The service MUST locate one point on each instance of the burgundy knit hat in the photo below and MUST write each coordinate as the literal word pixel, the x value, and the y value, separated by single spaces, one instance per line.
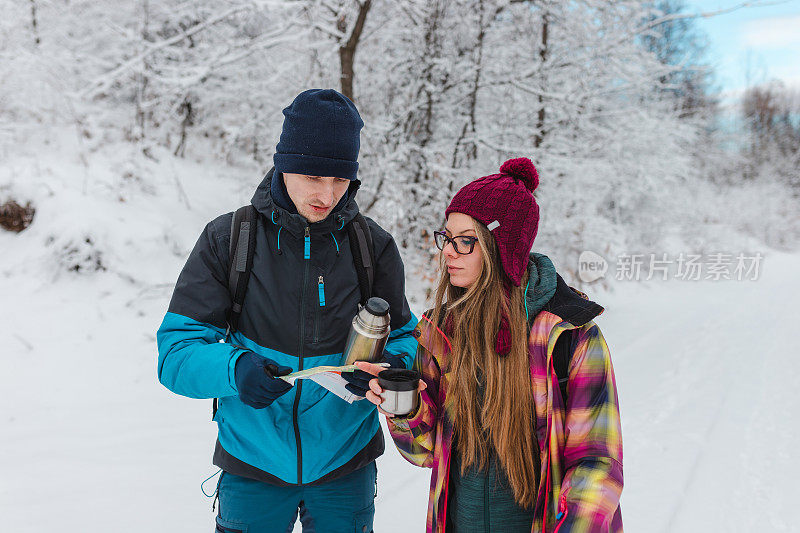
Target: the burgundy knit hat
pixel 505 204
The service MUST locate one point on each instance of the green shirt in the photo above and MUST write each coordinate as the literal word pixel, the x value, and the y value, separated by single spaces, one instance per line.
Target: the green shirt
pixel 482 501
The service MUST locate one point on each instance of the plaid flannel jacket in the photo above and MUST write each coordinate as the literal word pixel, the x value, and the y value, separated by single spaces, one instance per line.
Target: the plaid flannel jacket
pixel 580 443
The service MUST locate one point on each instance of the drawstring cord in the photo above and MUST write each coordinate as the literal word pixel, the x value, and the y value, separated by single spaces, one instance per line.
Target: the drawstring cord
pixel 280 228
pixel 206 480
pixel 525 299
pixel 272 218
pixel 214 494
pixel 335 242
pixel 449 346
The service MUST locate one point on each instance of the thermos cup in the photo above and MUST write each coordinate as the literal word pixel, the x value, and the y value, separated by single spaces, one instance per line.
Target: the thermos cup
pixel 368 333
pixel 400 390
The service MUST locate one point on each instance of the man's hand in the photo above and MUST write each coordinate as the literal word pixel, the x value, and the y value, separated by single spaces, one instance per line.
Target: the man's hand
pixel 358 380
pixel 256 379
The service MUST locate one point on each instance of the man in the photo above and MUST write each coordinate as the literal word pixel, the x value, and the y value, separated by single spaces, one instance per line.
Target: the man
pixel 284 448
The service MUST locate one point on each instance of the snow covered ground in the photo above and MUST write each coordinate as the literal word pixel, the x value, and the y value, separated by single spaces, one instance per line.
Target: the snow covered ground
pixel 707 374
pixel 706 371
pixel 92 442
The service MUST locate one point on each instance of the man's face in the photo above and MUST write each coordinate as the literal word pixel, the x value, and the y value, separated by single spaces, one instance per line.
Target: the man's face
pixel 315 196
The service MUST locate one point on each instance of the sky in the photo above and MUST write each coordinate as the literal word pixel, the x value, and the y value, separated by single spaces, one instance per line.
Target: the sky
pixel 753 44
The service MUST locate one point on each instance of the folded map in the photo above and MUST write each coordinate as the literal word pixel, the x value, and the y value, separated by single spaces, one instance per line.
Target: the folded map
pixel 329 377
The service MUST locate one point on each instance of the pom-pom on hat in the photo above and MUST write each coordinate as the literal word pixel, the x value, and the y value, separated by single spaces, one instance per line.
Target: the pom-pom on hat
pixel 505 204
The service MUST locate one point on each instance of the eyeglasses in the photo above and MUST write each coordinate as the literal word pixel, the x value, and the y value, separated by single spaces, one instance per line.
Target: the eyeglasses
pixel 462 245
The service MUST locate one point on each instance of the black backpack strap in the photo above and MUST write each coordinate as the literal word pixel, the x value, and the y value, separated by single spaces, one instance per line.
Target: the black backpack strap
pixel 242 248
pixel 240 263
pixel 561 357
pixel 363 252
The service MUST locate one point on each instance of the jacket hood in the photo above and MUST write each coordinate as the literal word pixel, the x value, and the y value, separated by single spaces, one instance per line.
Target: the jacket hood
pixel 541 285
pixel 547 291
pixel 264 203
pixel 572 305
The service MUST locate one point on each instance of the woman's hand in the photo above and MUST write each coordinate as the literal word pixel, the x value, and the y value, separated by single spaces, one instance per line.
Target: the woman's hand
pixel 373 394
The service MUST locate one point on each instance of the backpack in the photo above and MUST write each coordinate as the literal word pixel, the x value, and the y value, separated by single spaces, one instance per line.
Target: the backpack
pixel 243 246
pixel 561 358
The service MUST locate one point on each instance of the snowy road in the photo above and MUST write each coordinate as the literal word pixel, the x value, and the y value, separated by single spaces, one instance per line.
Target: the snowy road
pixel 707 373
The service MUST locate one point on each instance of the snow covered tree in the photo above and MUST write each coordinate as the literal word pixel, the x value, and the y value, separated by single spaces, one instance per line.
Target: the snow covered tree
pixel 676 41
pixel 568 85
pixel 771 115
pixel 600 94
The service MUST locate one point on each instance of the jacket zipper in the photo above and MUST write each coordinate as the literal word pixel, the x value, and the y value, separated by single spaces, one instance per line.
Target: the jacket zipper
pixel 446 487
pixel 321 288
pixel 299 382
pixel 562 511
pixel 317 309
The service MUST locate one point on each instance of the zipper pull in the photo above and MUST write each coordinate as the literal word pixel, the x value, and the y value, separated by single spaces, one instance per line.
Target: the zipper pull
pixel 562 507
pixel 321 287
pixel 307 245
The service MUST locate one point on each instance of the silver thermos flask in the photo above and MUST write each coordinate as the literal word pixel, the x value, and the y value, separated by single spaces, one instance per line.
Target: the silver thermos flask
pixel 368 333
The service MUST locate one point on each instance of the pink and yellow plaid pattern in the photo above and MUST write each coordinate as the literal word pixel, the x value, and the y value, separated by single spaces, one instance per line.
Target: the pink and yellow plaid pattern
pixel 580 445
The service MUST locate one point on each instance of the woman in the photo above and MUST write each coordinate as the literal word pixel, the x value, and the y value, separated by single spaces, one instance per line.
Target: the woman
pixel 508 453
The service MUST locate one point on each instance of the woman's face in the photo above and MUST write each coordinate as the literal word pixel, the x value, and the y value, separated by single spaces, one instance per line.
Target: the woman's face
pixel 464 269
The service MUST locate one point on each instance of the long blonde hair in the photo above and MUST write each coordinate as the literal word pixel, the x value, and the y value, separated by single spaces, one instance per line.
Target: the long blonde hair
pixel 472 317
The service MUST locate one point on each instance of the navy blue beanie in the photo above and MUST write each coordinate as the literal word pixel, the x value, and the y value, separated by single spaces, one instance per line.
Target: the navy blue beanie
pixel 321 136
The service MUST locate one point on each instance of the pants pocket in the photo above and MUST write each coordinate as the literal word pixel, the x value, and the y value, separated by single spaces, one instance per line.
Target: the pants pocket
pixel 362 520
pixel 226 526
